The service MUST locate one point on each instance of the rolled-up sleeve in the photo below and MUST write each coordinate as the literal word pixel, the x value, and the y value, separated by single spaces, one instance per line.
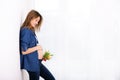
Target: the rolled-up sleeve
pixel 24 39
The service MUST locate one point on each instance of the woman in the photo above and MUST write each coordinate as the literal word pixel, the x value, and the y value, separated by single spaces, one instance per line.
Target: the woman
pixel 30 53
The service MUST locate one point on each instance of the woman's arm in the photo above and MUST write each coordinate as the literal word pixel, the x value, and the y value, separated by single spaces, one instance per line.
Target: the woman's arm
pixel 30 50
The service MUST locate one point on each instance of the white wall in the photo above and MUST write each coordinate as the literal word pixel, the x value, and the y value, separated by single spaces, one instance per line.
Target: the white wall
pixel 84 36
pixel 12 13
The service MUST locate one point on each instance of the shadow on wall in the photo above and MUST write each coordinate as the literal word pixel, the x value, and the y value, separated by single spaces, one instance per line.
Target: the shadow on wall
pixel 25 75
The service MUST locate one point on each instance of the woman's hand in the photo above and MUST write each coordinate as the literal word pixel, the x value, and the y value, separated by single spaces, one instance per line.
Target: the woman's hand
pixel 40 52
pixel 38 47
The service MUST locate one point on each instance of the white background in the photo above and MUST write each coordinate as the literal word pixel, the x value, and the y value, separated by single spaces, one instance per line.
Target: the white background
pixel 12 13
pixel 84 36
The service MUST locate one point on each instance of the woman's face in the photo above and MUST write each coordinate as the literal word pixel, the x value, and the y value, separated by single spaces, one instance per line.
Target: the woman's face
pixel 34 21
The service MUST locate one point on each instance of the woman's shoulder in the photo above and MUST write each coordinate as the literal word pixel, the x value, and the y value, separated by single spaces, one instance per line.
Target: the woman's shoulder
pixel 25 29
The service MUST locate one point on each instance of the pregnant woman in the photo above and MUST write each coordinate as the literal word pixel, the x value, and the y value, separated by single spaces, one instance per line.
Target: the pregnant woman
pixel 31 54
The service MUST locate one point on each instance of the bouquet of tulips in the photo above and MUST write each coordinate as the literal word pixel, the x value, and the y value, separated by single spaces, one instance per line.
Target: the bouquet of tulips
pixel 47 55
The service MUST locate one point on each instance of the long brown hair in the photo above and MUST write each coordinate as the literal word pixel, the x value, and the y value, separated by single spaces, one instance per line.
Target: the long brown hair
pixel 31 15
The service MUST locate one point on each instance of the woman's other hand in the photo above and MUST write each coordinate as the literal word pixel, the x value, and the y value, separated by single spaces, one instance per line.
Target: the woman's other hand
pixel 40 52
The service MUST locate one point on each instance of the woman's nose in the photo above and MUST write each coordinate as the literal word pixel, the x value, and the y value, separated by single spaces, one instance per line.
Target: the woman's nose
pixel 36 22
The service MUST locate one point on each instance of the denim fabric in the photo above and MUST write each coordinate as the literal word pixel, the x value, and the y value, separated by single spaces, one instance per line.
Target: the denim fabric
pixel 30 61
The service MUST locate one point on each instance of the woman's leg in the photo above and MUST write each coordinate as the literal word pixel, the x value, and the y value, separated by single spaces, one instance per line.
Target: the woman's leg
pixel 33 75
pixel 45 73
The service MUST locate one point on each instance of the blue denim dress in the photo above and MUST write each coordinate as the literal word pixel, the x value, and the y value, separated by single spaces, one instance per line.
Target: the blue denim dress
pixel 30 62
